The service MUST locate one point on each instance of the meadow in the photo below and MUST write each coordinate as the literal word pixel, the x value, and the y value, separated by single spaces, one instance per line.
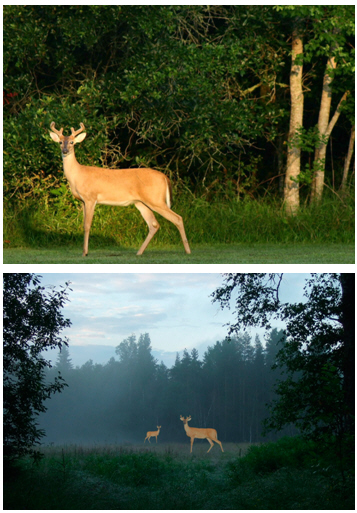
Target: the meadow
pixel 288 474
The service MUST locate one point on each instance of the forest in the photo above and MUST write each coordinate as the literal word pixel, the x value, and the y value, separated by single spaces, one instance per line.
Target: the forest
pixel 249 110
pixel 132 394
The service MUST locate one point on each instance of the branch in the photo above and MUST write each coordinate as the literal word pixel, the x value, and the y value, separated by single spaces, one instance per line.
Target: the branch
pixel 250 89
pixel 336 115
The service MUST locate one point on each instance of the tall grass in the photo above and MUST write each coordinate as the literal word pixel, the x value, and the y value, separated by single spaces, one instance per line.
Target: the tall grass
pixel 285 475
pixel 57 220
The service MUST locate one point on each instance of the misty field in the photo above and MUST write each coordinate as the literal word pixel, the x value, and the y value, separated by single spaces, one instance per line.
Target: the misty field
pixel 288 474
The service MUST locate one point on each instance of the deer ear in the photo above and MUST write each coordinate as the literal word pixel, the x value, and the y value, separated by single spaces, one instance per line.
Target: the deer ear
pixel 55 137
pixel 79 138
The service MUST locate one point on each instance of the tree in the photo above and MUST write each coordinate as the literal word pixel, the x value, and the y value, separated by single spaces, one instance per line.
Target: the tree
pixel 326 31
pixel 136 382
pixel 291 188
pixel 33 322
pixel 317 393
pixel 64 362
pixel 338 27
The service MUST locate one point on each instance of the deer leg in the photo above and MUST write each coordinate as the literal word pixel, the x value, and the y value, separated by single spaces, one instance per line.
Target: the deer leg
pixel 169 214
pixel 192 439
pixel 152 223
pixel 211 444
pixel 88 211
pixel 219 444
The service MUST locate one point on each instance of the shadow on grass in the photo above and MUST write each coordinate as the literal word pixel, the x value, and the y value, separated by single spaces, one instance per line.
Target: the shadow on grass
pixel 32 235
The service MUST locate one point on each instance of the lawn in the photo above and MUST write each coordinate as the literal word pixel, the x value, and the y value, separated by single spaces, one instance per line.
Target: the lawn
pixel 254 253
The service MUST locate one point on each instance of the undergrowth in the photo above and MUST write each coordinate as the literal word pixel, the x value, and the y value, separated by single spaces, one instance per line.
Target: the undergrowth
pixel 56 219
pixel 288 474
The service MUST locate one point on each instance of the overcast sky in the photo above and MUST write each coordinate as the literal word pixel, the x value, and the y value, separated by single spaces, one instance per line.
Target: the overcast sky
pixel 174 308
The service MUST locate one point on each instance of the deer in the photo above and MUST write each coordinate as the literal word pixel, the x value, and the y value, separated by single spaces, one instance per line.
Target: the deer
pixel 209 433
pixel 148 189
pixel 149 434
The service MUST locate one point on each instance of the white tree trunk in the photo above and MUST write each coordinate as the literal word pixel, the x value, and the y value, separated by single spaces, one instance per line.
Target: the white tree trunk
pixel 324 116
pixel 291 187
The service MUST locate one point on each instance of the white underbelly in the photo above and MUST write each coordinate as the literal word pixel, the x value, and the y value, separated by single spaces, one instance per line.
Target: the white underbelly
pixel 123 203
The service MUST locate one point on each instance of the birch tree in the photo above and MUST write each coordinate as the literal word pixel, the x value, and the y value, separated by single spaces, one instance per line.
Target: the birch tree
pixel 291 188
pixel 332 29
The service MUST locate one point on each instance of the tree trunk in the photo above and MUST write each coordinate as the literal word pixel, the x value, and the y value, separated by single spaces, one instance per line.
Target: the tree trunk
pixel 324 116
pixel 291 187
pixel 320 153
pixel 348 159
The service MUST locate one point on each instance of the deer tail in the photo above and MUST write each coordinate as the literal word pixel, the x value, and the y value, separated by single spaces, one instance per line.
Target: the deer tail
pixel 168 193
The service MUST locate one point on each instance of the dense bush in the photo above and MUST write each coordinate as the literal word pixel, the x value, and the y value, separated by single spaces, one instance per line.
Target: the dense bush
pixel 266 458
pixel 199 92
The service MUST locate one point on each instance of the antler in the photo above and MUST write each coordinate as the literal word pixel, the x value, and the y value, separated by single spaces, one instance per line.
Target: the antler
pixel 58 132
pixel 76 132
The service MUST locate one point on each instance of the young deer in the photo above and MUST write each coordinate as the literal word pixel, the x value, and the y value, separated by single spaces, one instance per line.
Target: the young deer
pixel 148 189
pixel 209 433
pixel 149 434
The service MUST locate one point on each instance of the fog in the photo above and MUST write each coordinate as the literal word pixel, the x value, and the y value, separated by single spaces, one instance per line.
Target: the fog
pixel 118 402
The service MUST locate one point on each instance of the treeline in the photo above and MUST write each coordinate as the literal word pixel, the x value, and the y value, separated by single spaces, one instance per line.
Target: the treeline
pixel 120 401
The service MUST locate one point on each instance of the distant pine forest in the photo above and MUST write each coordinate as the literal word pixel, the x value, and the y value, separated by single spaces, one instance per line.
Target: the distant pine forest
pixel 229 390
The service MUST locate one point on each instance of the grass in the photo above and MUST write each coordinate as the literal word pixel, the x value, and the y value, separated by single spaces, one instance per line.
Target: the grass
pixel 220 231
pixel 201 254
pixel 167 476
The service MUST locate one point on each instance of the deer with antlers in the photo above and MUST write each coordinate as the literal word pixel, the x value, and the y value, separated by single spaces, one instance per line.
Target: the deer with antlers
pixel 149 434
pixel 208 433
pixel 149 190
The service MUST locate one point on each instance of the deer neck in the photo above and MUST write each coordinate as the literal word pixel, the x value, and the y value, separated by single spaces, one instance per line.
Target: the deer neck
pixel 70 165
pixel 72 171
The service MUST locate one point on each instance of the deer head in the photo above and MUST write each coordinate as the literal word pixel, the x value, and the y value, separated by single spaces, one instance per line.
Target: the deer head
pixel 185 420
pixel 67 142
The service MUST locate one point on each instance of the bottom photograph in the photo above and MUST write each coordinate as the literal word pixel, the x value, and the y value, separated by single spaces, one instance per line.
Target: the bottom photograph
pixel 178 391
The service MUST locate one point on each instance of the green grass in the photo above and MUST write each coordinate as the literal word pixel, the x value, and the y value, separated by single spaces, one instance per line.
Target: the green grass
pixel 220 231
pixel 201 254
pixel 167 476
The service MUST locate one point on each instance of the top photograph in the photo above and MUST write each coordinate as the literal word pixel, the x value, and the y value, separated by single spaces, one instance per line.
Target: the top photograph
pixel 194 134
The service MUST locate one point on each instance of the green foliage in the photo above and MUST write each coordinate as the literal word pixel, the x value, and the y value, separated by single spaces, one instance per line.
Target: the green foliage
pixel 263 459
pixel 28 147
pixel 32 323
pixel 308 140
pixel 195 91
pixel 130 468
pixel 272 468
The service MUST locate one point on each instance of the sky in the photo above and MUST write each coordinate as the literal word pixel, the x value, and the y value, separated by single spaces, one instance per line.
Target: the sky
pixel 174 308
